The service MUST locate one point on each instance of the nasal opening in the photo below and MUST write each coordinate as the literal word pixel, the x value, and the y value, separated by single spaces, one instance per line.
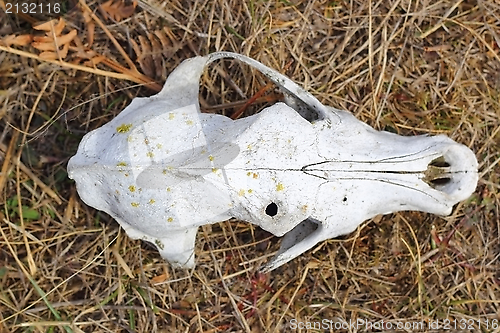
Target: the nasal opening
pixel 453 172
pixel 438 173
pixel 439 162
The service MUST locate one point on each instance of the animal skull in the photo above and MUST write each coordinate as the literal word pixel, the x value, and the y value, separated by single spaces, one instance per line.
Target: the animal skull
pixel 301 170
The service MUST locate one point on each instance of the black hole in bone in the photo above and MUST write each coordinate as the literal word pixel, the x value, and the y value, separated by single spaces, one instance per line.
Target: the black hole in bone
pixel 440 181
pixel 345 199
pixel 440 162
pixel 272 209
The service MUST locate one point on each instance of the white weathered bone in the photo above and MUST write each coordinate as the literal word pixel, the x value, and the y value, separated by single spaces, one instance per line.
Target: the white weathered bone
pixel 303 170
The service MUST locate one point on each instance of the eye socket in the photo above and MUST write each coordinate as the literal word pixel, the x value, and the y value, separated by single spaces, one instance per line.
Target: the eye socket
pixel 272 209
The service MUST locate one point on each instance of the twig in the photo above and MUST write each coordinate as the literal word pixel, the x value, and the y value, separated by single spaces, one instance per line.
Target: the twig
pixel 141 79
pixel 110 35
pixel 7 159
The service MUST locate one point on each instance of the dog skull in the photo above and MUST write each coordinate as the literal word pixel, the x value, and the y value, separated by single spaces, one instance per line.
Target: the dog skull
pixel 299 170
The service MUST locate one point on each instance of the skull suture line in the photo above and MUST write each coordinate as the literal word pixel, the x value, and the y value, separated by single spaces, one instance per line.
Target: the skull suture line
pixel 301 169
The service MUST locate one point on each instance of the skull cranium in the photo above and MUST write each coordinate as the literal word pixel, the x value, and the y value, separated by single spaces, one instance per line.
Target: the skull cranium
pixel 300 170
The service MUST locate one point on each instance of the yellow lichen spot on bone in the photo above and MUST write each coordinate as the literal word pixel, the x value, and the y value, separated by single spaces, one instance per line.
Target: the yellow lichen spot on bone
pixel 255 175
pixel 214 170
pixel 250 190
pixel 249 147
pixel 146 141
pixel 150 154
pixel 280 187
pixel 171 116
pixel 304 209
pixel 241 193
pixel 130 138
pixel 189 122
pixel 131 188
pixel 151 201
pixel 121 164
pixel 159 244
pixel 123 128
pixel 249 173
pixel 170 219
pixel 159 146
pixel 126 175
pixel 134 204
pixel 211 158
pixel 168 189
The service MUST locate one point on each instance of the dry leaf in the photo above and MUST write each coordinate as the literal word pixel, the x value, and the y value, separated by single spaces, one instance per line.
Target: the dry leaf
pixel 90 27
pixel 152 51
pixel 53 44
pixel 144 57
pixel 47 43
pixel 117 10
pixel 52 26
pixel 81 52
pixel 61 54
pixel 20 40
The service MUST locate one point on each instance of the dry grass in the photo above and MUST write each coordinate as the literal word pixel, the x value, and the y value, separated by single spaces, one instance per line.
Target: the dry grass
pixel 411 67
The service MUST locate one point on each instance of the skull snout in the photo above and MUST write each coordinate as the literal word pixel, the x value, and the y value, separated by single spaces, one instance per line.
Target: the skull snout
pixel 453 172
